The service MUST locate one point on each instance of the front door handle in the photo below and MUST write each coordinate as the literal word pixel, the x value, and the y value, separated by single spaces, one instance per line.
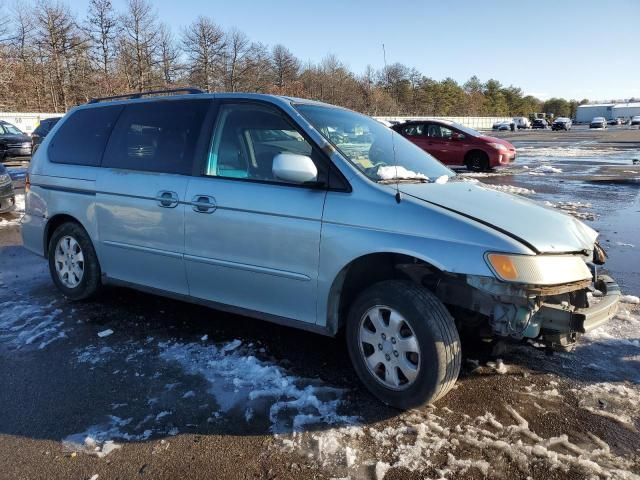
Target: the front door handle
pixel 203 204
pixel 167 199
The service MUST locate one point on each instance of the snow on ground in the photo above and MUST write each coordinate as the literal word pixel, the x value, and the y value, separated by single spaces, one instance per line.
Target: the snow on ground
pixel 239 379
pixel 13 218
pixel 24 323
pixel 423 441
pixel 573 208
pixel 240 385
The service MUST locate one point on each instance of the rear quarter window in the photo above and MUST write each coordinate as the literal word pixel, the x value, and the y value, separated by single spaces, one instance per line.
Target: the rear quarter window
pixel 157 136
pixel 82 137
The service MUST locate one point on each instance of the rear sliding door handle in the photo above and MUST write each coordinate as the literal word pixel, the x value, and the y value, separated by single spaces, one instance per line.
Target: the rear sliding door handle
pixel 167 199
pixel 203 204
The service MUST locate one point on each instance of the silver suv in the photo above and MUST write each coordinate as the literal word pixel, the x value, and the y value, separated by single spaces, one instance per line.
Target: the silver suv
pixel 312 216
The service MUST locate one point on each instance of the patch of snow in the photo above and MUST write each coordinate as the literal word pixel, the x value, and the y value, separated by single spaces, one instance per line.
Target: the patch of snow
pixel 510 189
pixel 204 338
pixel 471 446
pixel 632 299
pixel 548 169
pixel 24 323
pixel 392 172
pixel 14 217
pixel 238 379
pixel 442 179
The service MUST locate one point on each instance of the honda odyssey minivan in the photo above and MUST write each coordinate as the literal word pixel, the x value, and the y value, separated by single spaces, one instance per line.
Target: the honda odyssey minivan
pixel 311 216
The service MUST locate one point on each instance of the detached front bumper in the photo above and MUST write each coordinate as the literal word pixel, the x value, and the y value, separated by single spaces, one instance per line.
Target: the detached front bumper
pixel 565 318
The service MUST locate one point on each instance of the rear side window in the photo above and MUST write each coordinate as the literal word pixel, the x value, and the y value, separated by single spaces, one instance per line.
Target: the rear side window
pixel 82 137
pixel 157 137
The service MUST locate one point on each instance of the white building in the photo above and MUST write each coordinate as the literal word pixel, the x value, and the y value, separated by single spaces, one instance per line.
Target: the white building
pixel 585 113
pixel 27 122
pixel 626 110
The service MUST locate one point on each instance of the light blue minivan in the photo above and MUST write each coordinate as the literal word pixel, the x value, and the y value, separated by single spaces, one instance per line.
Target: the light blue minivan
pixel 312 216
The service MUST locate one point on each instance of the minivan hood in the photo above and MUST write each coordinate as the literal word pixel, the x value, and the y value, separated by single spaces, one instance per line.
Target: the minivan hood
pixel 542 229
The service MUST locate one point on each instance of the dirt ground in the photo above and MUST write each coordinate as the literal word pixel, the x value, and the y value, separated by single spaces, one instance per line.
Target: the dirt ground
pixel 181 391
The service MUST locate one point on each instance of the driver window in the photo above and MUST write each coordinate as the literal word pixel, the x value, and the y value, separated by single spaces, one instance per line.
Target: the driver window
pixel 246 140
pixel 413 130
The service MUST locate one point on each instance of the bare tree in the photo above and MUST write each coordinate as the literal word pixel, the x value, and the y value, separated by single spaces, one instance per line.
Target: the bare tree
pixel 169 56
pixel 237 61
pixel 58 36
pixel 139 44
pixel 203 42
pixel 101 24
pixel 285 66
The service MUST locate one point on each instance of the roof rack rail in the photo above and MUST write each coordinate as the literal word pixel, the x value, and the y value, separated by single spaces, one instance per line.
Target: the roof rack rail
pixel 189 90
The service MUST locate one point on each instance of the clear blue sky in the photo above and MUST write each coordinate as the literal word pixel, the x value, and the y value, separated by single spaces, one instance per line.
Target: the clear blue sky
pixel 573 49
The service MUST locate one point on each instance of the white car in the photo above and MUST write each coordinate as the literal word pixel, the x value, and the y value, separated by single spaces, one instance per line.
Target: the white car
pixel 598 122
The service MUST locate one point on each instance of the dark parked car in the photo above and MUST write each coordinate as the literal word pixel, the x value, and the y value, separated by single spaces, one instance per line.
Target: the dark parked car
pixel 455 144
pixel 615 121
pixel 7 197
pixel 41 131
pixel 635 120
pixel 540 123
pixel 13 141
pixel 561 123
pixel 598 122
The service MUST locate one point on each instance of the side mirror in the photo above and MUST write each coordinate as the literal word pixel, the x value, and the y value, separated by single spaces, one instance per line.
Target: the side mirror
pixel 294 168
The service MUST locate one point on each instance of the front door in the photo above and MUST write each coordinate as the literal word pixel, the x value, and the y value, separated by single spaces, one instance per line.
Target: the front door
pixel 252 240
pixel 141 191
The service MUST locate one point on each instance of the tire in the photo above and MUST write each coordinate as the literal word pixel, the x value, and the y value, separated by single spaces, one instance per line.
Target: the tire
pixel 477 161
pixel 437 364
pixel 81 259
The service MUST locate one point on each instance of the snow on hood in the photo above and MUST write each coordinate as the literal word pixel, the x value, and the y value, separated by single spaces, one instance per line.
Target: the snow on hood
pixel 546 230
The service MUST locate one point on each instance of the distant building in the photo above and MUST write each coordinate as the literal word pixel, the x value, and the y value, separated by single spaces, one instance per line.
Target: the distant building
pixel 585 113
pixel 626 110
pixel 27 122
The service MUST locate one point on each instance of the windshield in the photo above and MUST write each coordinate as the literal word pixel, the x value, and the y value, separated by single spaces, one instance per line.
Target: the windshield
pixel 469 131
pixel 11 129
pixel 377 151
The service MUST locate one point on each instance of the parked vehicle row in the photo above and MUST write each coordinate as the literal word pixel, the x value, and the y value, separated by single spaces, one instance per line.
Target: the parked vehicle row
pixel 315 217
pixel 561 123
pixel 598 122
pixel 455 144
pixel 13 142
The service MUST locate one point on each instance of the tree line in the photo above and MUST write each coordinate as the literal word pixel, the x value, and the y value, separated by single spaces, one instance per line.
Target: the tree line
pixel 52 58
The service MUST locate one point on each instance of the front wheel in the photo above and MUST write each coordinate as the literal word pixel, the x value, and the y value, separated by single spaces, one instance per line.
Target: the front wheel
pixel 403 344
pixel 73 262
pixel 477 162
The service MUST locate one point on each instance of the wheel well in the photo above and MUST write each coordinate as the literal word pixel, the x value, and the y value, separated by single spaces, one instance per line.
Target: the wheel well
pixel 368 270
pixel 53 223
pixel 475 150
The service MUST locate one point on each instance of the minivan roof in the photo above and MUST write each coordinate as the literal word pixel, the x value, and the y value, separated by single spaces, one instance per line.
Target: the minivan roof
pixel 276 99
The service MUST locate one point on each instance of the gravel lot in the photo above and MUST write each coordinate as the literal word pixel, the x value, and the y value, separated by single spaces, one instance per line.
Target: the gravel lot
pixel 137 386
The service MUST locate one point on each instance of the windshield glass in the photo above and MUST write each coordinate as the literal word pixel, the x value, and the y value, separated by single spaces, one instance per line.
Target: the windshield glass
pixel 11 129
pixel 377 151
pixel 467 130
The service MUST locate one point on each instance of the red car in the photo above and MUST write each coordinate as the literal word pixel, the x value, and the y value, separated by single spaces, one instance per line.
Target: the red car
pixel 455 144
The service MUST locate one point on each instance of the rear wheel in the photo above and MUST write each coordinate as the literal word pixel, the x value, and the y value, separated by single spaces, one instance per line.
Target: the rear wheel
pixel 477 161
pixel 73 262
pixel 403 344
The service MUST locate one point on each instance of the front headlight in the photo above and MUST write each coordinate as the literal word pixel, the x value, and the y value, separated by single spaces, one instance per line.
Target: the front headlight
pixel 4 179
pixel 498 146
pixel 538 269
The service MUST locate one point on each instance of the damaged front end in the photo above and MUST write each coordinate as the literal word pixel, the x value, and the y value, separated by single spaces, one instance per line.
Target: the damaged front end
pixel 554 314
